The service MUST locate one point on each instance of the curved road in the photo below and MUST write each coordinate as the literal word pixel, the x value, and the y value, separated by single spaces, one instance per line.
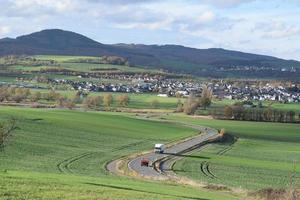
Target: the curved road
pixel 166 160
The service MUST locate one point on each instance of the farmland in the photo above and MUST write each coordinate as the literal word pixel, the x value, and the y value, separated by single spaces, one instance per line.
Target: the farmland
pixel 64 152
pixel 264 155
pixel 22 185
pixel 72 63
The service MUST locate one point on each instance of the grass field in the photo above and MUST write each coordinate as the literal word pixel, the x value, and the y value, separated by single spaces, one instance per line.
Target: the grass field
pixel 59 154
pixel 265 155
pixel 144 100
pixel 59 58
pixel 67 63
pixel 31 185
pixel 136 100
pixel 85 67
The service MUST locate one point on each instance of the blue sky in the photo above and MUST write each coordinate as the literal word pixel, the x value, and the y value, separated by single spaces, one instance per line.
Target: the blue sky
pixel 269 27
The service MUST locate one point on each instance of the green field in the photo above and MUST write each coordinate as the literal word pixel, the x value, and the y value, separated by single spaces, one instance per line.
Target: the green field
pixel 136 100
pixel 264 155
pixel 84 67
pixel 59 58
pixel 59 154
pixel 69 63
pixel 144 101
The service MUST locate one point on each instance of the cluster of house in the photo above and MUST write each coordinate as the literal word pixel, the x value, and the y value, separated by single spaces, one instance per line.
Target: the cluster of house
pixel 166 87
pixel 173 87
pixel 261 93
pixel 256 68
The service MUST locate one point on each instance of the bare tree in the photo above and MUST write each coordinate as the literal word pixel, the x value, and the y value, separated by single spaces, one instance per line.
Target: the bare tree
pixel 107 100
pixel 52 96
pixel 190 105
pixel 36 96
pixel 93 102
pixel 178 95
pixel 206 97
pixel 70 104
pixel 123 100
pixel 3 94
pixel 179 107
pixel 228 112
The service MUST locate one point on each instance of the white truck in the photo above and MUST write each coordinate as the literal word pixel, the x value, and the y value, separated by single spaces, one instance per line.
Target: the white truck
pixel 159 148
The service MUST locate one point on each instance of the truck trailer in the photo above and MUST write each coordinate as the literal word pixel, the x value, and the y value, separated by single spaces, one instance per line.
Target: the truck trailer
pixel 159 148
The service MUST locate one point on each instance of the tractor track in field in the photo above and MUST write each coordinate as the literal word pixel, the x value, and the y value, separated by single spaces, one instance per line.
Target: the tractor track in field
pixel 64 166
pixel 205 169
pixel 225 150
pixel 205 165
pixel 229 147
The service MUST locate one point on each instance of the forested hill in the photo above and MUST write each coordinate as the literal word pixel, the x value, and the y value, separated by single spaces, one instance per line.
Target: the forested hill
pixel 169 57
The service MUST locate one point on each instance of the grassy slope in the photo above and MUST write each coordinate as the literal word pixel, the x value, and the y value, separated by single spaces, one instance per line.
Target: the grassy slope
pixel 30 185
pixel 84 67
pixel 62 60
pixel 265 155
pixel 47 137
pixel 66 62
pixel 48 141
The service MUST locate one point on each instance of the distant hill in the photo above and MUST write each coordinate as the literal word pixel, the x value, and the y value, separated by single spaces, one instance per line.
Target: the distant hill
pixel 169 57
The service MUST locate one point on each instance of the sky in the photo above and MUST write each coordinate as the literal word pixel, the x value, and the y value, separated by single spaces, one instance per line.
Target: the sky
pixel 270 27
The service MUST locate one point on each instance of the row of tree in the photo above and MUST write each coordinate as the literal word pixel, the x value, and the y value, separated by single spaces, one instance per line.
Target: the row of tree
pixel 14 94
pixel 18 95
pixel 88 102
pixel 25 61
pixel 94 102
pixel 237 112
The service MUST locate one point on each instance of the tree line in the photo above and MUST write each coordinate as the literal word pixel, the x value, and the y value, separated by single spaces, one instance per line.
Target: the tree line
pixel 269 114
pixel 25 95
pixel 11 60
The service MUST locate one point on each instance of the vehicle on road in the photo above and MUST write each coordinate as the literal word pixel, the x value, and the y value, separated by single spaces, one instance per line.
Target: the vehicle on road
pixel 159 148
pixel 145 162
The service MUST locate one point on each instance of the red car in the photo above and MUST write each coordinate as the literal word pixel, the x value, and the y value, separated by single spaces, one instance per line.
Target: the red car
pixel 145 162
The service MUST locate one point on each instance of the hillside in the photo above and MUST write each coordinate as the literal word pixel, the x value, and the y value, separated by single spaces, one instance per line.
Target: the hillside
pixel 169 57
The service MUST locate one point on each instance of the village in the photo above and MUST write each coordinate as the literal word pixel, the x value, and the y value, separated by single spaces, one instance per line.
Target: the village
pixel 168 87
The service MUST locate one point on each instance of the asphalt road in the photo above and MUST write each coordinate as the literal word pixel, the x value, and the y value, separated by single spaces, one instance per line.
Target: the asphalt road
pixel 171 154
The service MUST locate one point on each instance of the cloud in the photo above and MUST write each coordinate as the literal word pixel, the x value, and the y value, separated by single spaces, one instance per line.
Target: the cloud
pixel 27 8
pixel 226 3
pixel 4 30
pixel 123 2
pixel 263 26
pixel 217 3
pixel 277 29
